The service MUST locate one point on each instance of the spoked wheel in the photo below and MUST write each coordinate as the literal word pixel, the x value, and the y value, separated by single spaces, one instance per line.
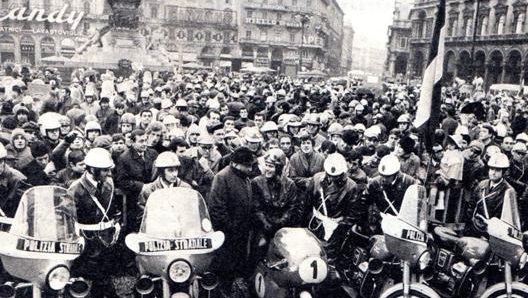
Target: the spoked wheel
pixel 416 291
pixel 519 290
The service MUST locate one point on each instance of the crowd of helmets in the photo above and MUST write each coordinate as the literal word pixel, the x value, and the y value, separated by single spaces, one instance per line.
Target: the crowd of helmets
pixel 205 116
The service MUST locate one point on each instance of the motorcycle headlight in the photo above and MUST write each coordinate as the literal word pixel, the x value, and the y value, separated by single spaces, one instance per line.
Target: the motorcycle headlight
pixel 522 260
pixel 58 277
pixel 180 271
pixel 424 260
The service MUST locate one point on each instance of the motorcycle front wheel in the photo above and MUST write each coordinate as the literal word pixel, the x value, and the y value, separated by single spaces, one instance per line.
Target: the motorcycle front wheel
pixel 519 290
pixel 416 291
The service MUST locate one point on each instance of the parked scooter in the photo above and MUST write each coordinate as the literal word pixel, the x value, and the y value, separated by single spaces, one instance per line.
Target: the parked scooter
pixel 41 244
pixel 294 266
pixel 175 244
pixel 407 239
pixel 506 243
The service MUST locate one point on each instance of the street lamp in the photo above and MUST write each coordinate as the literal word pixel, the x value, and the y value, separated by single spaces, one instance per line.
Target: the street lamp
pixel 304 18
pixel 475 28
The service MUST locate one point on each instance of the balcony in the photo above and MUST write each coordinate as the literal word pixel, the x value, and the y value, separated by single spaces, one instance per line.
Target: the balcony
pixel 281 43
pixel 401 24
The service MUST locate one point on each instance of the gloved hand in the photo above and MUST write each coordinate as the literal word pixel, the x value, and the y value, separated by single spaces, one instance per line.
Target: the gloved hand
pixel 480 223
pixel 70 137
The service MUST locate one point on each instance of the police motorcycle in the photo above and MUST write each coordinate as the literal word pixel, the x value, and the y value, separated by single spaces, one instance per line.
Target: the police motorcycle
pixel 41 244
pixel 174 245
pixel 459 264
pixel 294 265
pixel 367 267
pixel 506 244
pixel 406 238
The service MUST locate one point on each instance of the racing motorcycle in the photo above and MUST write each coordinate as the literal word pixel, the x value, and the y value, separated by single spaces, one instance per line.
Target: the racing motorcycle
pixel 174 245
pixel 407 239
pixel 40 245
pixel 506 243
pixel 294 265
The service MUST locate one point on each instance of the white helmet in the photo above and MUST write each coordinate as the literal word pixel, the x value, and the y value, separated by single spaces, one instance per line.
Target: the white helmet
pixel 269 126
pixel 389 165
pixel 167 159
pixel 3 151
pixel 92 125
pixel 499 160
pixel 49 124
pixel 99 158
pixel 335 164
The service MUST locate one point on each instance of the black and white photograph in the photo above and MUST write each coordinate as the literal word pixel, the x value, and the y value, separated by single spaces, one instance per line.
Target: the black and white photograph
pixel 263 149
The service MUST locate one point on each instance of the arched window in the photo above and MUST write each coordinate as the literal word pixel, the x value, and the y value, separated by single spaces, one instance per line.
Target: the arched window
pixel 468 26
pixel 500 24
pixel 484 26
pixel 454 27
pixel 519 24
pixel 86 7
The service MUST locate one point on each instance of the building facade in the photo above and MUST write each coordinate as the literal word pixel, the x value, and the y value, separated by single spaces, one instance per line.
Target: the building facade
pixel 346 52
pixel 398 42
pixel 499 51
pixel 34 30
pixel 203 31
pixel 271 34
pixel 228 34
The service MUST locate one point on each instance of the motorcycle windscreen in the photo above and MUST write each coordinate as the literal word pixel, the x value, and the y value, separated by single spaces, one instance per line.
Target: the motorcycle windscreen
pixel 294 245
pixel 46 213
pixel 174 213
pixel 413 209
pixel 510 210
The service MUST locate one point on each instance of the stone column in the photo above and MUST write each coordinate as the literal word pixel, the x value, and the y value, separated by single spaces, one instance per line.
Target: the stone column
pixel 503 74
pixel 18 54
pixel 38 51
pixel 392 62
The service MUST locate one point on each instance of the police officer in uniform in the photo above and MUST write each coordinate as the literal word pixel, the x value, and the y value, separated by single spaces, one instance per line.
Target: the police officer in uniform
pixel 98 220
pixel 489 195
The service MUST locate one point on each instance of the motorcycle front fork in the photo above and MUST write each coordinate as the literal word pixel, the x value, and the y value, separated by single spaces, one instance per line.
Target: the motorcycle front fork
pixel 508 280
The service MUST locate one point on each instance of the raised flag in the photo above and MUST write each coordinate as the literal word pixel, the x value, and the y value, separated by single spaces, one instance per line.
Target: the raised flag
pixel 428 109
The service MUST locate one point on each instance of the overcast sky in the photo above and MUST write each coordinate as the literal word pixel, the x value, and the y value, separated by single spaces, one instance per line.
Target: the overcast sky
pixel 369 18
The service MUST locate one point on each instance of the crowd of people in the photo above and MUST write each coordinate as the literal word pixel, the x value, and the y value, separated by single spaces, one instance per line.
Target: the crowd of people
pixel 265 152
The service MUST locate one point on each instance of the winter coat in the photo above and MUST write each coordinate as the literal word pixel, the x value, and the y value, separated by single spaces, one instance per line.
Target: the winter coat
pixel 304 166
pixel 275 201
pixel 149 188
pixel 230 207
pixel 12 185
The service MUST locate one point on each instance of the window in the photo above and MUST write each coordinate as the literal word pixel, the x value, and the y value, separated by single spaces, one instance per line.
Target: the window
pixel 47 25
pixel 190 35
pixel 263 36
pixel 403 42
pixel 292 37
pixel 154 12
pixel 279 16
pixel 304 53
pixel 278 36
pixel 86 27
pixel 519 24
pixel 172 33
pixel 86 7
pixel 208 36
pixel 264 1
pixel 454 25
pixel 484 26
pixel 309 3
pixel 249 13
pixel 468 26
pixel 264 14
pixel 294 2
pixel 248 34
pixel 500 25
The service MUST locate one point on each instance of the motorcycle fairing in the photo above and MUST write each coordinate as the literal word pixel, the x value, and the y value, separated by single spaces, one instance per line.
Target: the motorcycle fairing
pixel 303 254
pixel 44 226
pixel 505 234
pixel 43 234
pixel 403 235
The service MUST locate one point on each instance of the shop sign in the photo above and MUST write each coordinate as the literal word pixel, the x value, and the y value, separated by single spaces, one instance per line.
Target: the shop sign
pixel 38 31
pixel 40 15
